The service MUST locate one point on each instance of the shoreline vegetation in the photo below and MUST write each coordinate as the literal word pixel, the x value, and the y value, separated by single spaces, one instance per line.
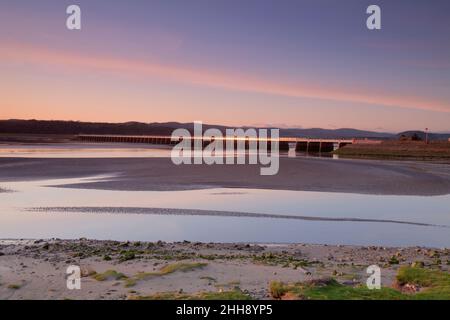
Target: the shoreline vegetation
pixel 237 271
pixel 398 150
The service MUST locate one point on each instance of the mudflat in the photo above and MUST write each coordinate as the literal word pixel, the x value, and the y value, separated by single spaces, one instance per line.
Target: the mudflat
pixel 304 174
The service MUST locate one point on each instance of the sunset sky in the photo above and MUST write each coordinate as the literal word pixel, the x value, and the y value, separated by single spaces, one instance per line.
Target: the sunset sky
pixel 299 63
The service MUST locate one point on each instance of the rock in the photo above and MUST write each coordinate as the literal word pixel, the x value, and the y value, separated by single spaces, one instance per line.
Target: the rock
pixel 87 271
pixel 410 288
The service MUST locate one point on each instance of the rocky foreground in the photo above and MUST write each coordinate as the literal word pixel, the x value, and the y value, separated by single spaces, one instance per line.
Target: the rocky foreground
pixel 36 269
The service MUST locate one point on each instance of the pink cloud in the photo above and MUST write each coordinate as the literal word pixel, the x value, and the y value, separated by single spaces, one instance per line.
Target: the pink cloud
pixel 203 77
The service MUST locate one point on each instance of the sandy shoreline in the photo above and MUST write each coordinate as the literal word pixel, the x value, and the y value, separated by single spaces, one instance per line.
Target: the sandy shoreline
pixel 35 269
pixel 306 174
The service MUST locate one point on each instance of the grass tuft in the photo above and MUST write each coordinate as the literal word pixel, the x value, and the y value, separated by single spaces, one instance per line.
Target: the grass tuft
pixel 14 286
pixel 109 275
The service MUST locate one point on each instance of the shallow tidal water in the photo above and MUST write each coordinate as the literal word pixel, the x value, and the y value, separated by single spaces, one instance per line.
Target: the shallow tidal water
pixel 18 220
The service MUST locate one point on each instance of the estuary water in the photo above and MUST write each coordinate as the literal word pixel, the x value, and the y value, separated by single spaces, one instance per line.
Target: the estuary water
pixel 48 209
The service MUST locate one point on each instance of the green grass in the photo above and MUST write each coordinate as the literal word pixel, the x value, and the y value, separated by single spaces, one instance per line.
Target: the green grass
pixel 181 266
pixel 393 260
pixel 330 289
pixel 278 289
pixel 225 295
pixel 168 269
pixel 109 275
pixel 434 284
pixel 284 260
pixel 14 286
pixel 127 255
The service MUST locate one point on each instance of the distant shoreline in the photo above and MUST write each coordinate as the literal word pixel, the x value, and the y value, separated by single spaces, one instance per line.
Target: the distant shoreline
pixel 65 127
pixel 398 150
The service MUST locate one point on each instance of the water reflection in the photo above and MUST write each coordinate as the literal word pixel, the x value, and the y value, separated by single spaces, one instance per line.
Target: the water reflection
pixel 117 150
pixel 15 223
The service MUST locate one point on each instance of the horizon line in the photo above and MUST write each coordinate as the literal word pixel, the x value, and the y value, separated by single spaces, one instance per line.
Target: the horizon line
pixel 231 126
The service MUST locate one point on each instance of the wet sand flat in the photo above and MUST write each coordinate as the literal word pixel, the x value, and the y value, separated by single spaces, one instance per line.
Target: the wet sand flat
pixel 305 174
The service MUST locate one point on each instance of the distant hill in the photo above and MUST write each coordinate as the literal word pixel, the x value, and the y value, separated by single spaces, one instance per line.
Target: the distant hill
pixel 166 128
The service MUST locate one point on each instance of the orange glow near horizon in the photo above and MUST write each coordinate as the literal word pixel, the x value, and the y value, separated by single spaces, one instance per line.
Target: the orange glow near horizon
pixel 226 64
pixel 70 62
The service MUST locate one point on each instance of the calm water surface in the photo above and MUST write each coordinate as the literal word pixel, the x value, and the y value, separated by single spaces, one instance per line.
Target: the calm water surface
pixel 17 222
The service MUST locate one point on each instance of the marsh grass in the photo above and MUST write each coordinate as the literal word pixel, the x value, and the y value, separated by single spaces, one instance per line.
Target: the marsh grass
pixel 398 150
pixel 109 275
pixel 14 286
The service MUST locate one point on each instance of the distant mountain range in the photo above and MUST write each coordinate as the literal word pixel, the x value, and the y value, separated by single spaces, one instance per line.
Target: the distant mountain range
pixel 166 128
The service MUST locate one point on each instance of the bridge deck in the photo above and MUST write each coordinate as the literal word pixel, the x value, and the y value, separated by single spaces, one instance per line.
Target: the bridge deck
pixel 281 139
pixel 284 143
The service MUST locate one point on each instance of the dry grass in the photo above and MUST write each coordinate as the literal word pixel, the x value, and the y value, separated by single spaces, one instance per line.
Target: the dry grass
pixel 109 275
pixel 398 150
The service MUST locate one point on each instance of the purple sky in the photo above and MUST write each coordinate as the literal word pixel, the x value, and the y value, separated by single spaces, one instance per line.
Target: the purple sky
pixel 284 63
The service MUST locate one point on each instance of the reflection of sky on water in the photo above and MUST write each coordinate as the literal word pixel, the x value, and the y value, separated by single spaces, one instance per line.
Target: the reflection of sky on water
pixel 15 223
pixel 116 150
